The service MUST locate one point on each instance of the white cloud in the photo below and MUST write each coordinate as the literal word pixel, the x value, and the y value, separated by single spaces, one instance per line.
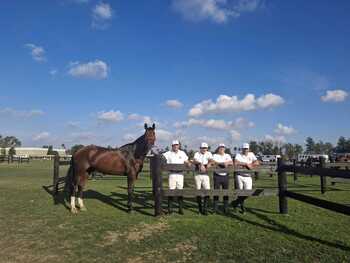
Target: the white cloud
pixel 37 52
pixel 41 136
pixel 129 137
pixel 218 11
pixel 21 113
pixel 248 5
pixel 110 116
pixel 138 117
pixel 79 137
pixel 226 104
pixel 102 13
pixel 163 135
pixel 235 135
pixel 176 104
pixel 53 72
pixel 97 69
pixel 337 95
pixel 284 130
pixel 269 101
pixel 275 139
pixel 243 123
pixel 239 123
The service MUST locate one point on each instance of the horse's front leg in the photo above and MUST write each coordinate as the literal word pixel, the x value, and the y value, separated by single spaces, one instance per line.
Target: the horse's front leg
pixel 131 181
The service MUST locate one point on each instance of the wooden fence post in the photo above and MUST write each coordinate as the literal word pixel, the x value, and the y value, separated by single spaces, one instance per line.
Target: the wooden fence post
pixel 295 174
pixel 282 188
pixel 56 171
pixel 322 177
pixel 157 183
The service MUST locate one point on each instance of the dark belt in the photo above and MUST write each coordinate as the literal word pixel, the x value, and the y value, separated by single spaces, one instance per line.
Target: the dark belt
pixel 175 172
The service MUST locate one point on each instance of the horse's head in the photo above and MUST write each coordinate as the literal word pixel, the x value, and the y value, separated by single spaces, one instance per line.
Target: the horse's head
pixel 150 134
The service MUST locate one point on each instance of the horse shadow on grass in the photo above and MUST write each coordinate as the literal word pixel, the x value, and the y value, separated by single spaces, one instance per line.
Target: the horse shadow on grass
pixel 141 201
pixel 59 198
pixel 273 225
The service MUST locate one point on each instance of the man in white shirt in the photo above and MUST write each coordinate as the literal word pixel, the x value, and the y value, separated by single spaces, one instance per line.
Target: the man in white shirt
pixel 222 160
pixel 247 160
pixel 202 159
pixel 176 178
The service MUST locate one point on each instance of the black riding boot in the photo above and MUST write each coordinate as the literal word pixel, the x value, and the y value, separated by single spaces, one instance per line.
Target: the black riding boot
pixel 240 203
pixel 225 204
pixel 216 204
pixel 180 200
pixel 205 205
pixel 199 201
pixel 170 205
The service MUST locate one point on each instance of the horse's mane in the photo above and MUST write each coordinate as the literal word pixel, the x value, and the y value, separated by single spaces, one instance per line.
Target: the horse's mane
pixel 138 148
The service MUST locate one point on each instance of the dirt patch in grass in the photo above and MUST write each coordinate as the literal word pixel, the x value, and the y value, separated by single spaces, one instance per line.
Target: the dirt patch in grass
pixel 181 252
pixel 135 234
pixel 143 230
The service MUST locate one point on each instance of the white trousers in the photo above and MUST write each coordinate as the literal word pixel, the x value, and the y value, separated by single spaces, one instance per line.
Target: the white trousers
pixel 244 182
pixel 202 180
pixel 176 181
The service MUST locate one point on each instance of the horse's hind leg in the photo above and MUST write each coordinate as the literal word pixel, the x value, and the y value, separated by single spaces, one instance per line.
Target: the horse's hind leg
pixel 80 199
pixel 81 186
pixel 130 193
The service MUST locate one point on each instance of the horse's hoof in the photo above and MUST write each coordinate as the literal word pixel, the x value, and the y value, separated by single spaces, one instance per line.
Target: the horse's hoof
pixel 74 210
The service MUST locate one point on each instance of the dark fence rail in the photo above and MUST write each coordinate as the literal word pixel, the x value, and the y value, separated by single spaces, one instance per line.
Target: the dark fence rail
pixel 321 171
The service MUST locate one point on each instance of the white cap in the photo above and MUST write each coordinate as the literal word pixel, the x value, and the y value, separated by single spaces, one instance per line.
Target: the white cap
pixel 204 145
pixel 245 146
pixel 222 145
pixel 175 142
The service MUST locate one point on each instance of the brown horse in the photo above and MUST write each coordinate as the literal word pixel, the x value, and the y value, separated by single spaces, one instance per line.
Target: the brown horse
pixel 126 160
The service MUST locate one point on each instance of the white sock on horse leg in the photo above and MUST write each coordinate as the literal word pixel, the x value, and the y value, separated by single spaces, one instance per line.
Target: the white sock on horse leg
pixel 80 202
pixel 72 201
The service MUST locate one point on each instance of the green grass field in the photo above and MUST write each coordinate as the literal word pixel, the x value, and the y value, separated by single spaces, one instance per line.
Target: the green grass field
pixel 34 229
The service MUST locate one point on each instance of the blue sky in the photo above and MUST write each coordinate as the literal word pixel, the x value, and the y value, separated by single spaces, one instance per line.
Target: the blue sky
pixel 86 71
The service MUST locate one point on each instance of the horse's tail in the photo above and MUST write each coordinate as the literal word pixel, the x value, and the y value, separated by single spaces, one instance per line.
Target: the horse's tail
pixel 70 180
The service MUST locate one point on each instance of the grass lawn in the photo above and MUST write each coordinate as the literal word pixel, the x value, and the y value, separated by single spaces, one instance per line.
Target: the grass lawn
pixel 34 229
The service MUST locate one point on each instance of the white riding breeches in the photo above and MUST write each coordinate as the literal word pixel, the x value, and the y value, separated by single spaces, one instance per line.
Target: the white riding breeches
pixel 202 180
pixel 244 182
pixel 176 181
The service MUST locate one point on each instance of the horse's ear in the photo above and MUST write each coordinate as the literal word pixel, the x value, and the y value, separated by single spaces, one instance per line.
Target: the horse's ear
pixel 146 126
pixel 153 126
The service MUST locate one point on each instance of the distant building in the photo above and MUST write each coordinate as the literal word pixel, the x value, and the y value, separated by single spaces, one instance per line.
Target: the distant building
pixel 34 152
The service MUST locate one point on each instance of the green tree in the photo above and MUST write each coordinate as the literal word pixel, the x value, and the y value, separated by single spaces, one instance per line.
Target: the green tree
pixel 342 145
pixel 10 141
pixel 12 151
pixel 254 147
pixel 310 145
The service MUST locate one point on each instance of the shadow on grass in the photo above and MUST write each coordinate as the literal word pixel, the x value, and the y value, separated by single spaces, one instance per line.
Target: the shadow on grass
pixel 59 198
pixel 273 225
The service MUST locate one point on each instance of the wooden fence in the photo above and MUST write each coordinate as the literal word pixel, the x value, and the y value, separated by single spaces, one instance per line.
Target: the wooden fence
pixel 58 180
pixel 324 170
pixel 157 167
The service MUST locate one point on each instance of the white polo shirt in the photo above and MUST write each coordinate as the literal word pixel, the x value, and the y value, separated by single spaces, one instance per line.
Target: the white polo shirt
pixel 203 158
pixel 179 157
pixel 247 159
pixel 222 159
